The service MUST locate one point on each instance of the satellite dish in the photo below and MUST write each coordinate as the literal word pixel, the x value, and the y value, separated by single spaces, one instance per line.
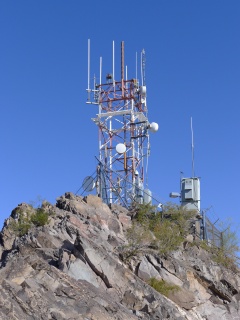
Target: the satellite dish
pixel 120 148
pixel 88 184
pixel 153 127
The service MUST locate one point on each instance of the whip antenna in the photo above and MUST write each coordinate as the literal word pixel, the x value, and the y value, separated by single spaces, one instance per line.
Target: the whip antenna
pixel 193 173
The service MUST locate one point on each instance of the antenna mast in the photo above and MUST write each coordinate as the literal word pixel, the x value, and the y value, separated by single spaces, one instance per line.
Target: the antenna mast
pixel 123 135
pixel 193 173
pixel 143 63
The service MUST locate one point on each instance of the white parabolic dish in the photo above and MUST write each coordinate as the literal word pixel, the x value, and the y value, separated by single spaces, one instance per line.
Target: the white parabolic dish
pixel 120 148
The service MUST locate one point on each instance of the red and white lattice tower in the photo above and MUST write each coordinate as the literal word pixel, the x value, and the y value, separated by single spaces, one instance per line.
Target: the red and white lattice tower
pixel 123 126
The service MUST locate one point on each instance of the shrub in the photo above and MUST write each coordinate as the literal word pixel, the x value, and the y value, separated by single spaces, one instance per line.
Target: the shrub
pixel 21 226
pixel 144 213
pixel 162 231
pixel 39 218
pixel 179 216
pixel 222 256
pixel 227 254
pixel 167 237
pixel 139 240
pixel 162 286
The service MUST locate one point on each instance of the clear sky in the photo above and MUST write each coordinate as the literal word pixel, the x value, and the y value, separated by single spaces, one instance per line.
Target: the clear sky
pixel 47 139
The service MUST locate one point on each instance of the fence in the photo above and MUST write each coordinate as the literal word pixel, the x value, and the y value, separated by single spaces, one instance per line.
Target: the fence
pixel 203 228
pixel 212 234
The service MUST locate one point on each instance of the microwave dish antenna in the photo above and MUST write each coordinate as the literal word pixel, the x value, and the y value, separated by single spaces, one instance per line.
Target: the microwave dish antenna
pixel 88 184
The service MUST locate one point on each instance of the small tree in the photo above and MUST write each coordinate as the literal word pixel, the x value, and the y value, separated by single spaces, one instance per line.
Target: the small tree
pixel 227 255
pixel 230 241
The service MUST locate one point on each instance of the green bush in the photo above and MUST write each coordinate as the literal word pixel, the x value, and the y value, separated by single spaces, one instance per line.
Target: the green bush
pixel 39 218
pixel 144 213
pixel 221 257
pixel 21 226
pixel 162 231
pixel 139 239
pixel 227 254
pixel 224 256
pixel 162 286
pixel 179 216
pixel 167 237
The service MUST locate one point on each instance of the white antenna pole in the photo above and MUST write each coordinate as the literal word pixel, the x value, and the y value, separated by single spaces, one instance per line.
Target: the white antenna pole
pixel 113 65
pixel 88 68
pixel 193 173
pixel 100 77
pixel 142 68
pixel 136 65
pixel 100 80
pixel 126 73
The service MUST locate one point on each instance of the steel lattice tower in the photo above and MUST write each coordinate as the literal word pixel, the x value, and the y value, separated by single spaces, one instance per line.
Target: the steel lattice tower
pixel 123 136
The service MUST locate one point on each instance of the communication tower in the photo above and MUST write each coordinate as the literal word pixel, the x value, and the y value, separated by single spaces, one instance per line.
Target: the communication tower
pixel 123 127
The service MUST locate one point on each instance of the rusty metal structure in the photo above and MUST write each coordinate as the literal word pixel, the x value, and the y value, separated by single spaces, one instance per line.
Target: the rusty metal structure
pixel 123 127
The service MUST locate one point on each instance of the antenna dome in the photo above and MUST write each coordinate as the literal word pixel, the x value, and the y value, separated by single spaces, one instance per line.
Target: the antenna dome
pixel 120 148
pixel 153 127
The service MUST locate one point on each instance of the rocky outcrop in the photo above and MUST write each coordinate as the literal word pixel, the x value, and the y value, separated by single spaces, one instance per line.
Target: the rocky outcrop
pixel 71 268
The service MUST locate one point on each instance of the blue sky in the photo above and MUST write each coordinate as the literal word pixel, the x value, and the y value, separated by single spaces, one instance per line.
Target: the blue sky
pixel 47 139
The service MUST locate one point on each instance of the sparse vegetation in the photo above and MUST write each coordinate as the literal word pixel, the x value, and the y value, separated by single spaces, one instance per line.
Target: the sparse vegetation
pixel 162 286
pixel 167 237
pixel 39 218
pixel 25 219
pixel 139 240
pixel 21 226
pixel 227 254
pixel 163 232
pixel 160 231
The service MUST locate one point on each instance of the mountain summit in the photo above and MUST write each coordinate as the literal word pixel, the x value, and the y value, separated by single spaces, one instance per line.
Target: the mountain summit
pixel 66 261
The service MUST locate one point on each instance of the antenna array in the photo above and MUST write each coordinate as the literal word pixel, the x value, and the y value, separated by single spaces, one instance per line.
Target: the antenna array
pixel 123 134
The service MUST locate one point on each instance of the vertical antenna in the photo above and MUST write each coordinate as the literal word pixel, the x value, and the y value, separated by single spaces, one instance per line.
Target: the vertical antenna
pixel 143 63
pixel 122 60
pixel 126 73
pixel 113 66
pixel 88 89
pixel 193 173
pixel 100 76
pixel 100 80
pixel 136 65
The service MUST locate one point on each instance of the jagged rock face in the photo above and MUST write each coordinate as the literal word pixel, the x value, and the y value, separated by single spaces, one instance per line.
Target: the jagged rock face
pixel 71 269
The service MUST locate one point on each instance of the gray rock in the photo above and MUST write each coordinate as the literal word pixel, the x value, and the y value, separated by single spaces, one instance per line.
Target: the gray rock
pixel 70 269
